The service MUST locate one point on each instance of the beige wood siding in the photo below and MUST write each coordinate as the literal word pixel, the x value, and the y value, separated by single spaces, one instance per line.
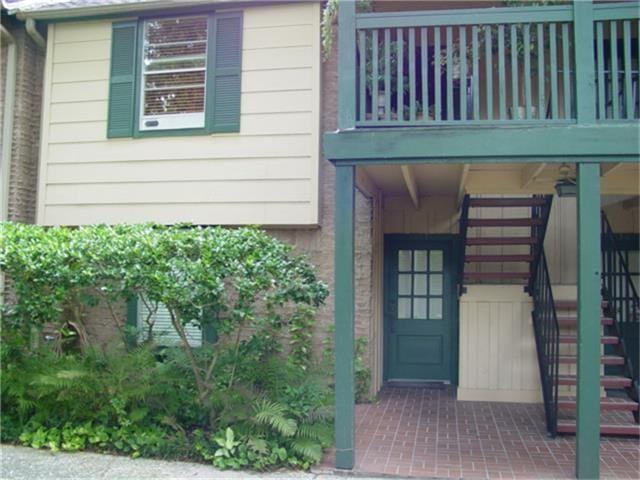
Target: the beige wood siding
pixel 266 174
pixel 497 347
pixel 436 215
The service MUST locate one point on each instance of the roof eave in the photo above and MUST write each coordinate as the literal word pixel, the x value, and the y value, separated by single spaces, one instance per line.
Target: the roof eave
pixel 54 14
pixel 105 10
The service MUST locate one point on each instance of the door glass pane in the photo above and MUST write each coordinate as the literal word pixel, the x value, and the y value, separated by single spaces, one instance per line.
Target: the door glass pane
pixel 404 284
pixel 435 308
pixel 435 285
pixel 633 262
pixel 404 308
pixel 404 260
pixel 435 260
pixel 420 284
pixel 420 308
pixel 420 260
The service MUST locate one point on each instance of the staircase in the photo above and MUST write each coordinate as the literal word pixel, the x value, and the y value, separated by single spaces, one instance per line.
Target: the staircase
pixel 555 323
pixel 508 256
pixel 508 253
pixel 619 400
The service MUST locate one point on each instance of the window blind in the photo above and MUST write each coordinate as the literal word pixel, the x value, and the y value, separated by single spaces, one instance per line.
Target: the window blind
pixel 174 66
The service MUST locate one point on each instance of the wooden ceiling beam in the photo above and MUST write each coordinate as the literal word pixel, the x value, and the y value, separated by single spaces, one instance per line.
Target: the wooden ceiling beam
pixel 462 184
pixel 410 182
pixel 607 169
pixel 530 173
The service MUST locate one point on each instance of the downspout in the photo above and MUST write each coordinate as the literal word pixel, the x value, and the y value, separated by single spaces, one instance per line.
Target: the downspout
pixel 7 130
pixel 7 122
pixel 32 31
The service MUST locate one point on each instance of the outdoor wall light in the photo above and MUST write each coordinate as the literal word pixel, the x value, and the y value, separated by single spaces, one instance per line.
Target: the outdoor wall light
pixel 566 186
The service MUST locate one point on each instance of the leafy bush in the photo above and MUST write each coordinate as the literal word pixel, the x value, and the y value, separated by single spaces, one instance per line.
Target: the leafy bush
pixel 256 381
pixel 362 372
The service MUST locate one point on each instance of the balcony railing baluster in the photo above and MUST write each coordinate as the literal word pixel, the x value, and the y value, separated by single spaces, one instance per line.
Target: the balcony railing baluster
pixel 493 66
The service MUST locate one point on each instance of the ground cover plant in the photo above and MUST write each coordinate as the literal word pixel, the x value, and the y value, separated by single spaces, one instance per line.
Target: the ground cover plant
pixel 250 397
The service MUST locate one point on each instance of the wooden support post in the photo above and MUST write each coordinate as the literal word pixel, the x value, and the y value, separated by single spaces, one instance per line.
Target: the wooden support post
pixel 347 64
pixel 344 288
pixel 583 42
pixel 589 312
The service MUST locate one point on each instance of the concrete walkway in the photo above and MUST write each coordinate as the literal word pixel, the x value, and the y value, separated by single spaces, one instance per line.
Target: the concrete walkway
pixel 21 463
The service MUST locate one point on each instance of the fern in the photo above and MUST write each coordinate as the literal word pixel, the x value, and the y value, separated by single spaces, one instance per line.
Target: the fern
pixel 321 432
pixel 323 413
pixel 310 449
pixel 272 414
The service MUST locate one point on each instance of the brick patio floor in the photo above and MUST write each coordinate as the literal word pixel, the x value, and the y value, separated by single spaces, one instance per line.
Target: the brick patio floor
pixel 428 433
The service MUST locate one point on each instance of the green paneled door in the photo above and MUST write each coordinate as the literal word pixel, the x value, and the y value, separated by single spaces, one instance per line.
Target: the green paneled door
pixel 419 313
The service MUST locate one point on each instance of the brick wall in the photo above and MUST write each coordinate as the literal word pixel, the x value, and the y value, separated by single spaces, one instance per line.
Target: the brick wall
pixel 318 244
pixel 23 175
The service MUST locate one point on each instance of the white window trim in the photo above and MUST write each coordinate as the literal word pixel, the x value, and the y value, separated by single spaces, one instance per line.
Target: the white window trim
pixel 174 121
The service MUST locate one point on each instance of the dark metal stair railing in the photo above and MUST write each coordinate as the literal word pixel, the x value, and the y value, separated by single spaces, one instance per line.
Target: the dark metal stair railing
pixel 623 304
pixel 545 320
pixel 547 336
pixel 539 232
pixel 462 248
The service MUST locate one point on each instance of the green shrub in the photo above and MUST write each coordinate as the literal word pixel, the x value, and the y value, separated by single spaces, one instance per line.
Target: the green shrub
pixel 258 380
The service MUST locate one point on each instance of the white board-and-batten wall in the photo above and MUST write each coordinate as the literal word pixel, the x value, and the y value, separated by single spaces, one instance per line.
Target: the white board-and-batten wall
pixel 265 174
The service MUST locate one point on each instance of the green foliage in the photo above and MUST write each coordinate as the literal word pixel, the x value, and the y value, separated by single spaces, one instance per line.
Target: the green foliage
pixel 329 19
pixel 253 399
pixel 243 281
pixel 362 372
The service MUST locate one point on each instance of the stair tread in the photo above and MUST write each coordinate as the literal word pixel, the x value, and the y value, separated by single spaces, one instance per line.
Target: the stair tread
pixel 567 426
pixel 498 258
pixel 608 339
pixel 573 320
pixel 571 304
pixel 501 240
pixel 506 202
pixel 504 222
pixel 610 404
pixel 607 380
pixel 604 359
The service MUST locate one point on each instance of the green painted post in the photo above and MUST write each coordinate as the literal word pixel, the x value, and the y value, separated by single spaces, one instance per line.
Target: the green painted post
pixel 583 41
pixel 344 287
pixel 347 64
pixel 589 311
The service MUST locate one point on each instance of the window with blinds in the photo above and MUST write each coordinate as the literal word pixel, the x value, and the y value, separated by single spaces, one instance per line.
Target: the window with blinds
pixel 163 331
pixel 174 73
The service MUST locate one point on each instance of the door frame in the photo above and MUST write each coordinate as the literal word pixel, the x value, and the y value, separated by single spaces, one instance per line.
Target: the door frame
pixel 452 243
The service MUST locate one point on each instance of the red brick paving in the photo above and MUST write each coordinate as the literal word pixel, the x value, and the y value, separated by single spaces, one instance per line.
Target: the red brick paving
pixel 428 433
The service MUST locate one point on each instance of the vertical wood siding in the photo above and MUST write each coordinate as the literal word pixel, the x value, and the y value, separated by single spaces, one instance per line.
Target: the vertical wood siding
pixel 266 174
pixel 497 347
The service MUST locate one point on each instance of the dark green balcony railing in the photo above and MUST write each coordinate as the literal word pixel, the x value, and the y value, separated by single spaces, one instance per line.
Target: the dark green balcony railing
pixel 491 66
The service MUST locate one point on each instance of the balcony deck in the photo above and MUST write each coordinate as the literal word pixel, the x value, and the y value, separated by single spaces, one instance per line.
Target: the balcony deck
pixel 518 84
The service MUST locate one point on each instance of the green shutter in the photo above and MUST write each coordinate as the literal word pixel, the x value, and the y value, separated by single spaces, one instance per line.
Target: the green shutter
pixel 224 114
pixel 122 80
